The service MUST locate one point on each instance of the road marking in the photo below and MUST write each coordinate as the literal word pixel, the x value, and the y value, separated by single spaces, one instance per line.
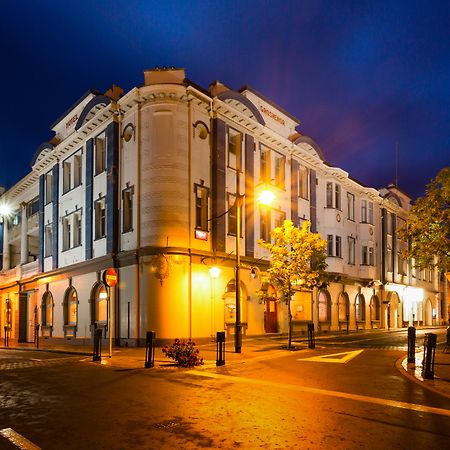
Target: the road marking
pixel 345 357
pixel 18 440
pixel 318 391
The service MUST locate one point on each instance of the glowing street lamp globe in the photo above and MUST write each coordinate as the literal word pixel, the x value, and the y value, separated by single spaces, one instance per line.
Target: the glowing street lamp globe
pixel 266 197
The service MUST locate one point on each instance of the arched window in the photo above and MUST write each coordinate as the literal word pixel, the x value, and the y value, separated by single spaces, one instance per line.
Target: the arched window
pixel 70 307
pixel 47 309
pixel 101 304
pixel 324 306
pixel 374 308
pixel 360 304
pixel 343 306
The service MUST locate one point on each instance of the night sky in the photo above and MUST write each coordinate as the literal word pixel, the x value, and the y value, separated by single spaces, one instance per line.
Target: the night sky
pixel 363 77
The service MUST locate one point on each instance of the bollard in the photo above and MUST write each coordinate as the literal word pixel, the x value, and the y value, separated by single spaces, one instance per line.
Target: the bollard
pixel 411 345
pixel 311 338
pixel 37 335
pixel 220 348
pixel 97 354
pixel 447 344
pixel 347 318
pixel 429 350
pixel 150 349
pixel 6 336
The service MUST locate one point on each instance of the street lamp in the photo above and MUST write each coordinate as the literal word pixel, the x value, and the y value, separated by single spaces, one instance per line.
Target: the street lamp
pixel 266 197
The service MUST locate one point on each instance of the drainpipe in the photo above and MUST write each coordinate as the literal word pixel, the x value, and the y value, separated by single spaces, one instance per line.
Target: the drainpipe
pixel 138 222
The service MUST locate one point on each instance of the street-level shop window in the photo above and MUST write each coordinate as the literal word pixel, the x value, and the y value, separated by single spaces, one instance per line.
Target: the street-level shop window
pixel 101 310
pixel 47 309
pixel 360 305
pixel 70 307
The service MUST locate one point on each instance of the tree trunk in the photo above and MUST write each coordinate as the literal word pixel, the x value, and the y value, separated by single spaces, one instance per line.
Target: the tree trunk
pixel 290 324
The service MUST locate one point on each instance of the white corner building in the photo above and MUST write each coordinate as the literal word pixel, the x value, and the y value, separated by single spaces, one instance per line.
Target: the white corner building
pixel 145 181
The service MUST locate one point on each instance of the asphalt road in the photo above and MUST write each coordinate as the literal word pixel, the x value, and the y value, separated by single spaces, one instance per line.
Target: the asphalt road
pixel 347 396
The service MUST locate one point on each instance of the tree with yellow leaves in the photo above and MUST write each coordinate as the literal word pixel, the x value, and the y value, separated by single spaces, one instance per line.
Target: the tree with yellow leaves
pixel 297 261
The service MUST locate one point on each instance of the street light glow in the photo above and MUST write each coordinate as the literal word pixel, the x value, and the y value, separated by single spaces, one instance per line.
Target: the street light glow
pixel 214 271
pixel 5 209
pixel 266 197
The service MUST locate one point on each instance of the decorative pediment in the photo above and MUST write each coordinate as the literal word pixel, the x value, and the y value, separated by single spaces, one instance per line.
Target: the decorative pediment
pixel 242 104
pixel 91 109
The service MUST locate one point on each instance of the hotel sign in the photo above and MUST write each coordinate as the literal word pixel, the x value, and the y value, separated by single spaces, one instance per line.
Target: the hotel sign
pixel 272 115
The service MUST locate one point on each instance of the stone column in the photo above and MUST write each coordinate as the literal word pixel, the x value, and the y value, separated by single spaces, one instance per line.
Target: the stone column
pixel 334 314
pixel 24 235
pixel 6 255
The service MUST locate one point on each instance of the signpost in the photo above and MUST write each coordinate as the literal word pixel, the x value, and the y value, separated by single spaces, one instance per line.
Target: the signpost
pixel 110 278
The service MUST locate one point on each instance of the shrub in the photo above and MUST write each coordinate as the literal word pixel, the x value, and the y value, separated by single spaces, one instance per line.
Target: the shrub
pixel 184 353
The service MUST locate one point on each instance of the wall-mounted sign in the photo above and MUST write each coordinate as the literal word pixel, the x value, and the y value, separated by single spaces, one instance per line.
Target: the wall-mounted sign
pixel 110 277
pixel 202 235
pixel 272 115
pixel 71 121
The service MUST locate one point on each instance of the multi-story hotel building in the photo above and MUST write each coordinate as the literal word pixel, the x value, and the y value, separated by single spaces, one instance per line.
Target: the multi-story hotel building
pixel 145 182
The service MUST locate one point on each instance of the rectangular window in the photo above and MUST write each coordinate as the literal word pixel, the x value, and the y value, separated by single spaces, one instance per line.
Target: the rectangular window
pixel 280 164
pixel 127 209
pixel 77 168
pixel 303 182
pixel 365 255
pixel 66 232
pixel 67 167
pixel 278 218
pixel 389 254
pixel 350 206
pixel 330 245
pixel 371 256
pixel 201 207
pixel 264 165
pixel 48 240
pixel 77 229
pixel 364 211
pixel 234 149
pixel 370 215
pixel 48 187
pixel 100 218
pixel 351 250
pixel 337 196
pixel 264 224
pixel 338 247
pixel 100 153
pixel 33 207
pixel 232 215
pixel 329 195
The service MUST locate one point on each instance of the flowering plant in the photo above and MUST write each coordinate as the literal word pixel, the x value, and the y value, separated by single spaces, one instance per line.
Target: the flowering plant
pixel 184 353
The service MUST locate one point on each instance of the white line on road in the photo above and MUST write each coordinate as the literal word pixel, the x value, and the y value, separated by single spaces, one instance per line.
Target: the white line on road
pixel 311 390
pixel 18 440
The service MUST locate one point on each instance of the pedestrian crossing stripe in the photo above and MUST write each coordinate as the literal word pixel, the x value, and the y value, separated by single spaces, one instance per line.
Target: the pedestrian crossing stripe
pixel 342 358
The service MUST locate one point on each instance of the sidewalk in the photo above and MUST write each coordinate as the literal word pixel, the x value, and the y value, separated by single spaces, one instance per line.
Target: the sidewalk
pixel 253 349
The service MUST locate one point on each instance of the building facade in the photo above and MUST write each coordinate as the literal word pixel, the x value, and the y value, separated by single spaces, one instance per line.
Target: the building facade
pixel 146 181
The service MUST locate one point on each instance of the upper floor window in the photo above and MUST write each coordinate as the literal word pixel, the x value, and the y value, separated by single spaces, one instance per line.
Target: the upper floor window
pixel 72 172
pixel 72 230
pixel 232 216
pixel 280 165
pixel 201 207
pixel 67 171
pixel 264 165
pixel 330 245
pixel 338 247
pixel 48 240
pixel 366 211
pixel 234 142
pixel 334 246
pixel 127 209
pixel 100 153
pixel 77 170
pixel 70 307
pixel 48 187
pixel 333 195
pixel 278 218
pixel 367 256
pixel 350 206
pixel 264 223
pixel 100 218
pixel 33 207
pixel 303 182
pixel 351 250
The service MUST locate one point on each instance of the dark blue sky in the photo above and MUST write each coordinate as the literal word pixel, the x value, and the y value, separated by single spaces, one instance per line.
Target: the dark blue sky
pixel 362 76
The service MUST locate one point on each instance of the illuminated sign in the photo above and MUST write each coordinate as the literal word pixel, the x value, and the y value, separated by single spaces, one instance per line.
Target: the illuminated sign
pixel 110 277
pixel 202 235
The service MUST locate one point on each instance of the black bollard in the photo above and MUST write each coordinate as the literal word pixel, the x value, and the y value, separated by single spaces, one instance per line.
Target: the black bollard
pixel 97 354
pixel 311 338
pixel 220 348
pixel 447 344
pixel 411 345
pixel 347 318
pixel 6 336
pixel 37 335
pixel 150 349
pixel 429 351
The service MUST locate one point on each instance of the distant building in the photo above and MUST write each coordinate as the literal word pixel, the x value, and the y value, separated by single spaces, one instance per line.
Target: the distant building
pixel 145 182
